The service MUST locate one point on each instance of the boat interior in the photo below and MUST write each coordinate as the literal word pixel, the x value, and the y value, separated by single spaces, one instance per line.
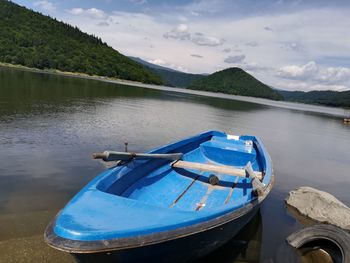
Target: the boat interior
pixel 158 183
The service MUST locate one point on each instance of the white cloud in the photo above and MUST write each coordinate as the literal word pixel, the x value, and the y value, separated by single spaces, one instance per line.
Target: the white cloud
pixel 291 46
pixel 203 40
pixel 251 66
pixel 91 12
pixel 139 2
pixel 305 86
pixel 252 44
pixel 328 87
pixel 267 28
pixel 312 76
pixel 312 72
pixel 205 6
pixel 45 5
pixel 182 19
pixel 295 31
pixel 255 67
pixel 161 62
pixel 102 23
pixel 76 11
pixel 180 32
pixel 307 71
pixel 235 59
pixel 157 61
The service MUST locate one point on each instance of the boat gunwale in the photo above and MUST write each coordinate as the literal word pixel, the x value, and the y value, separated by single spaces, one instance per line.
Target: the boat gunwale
pixel 96 246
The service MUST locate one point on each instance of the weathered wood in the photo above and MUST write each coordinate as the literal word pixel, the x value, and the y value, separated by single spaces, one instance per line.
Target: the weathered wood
pixel 221 169
pixel 258 186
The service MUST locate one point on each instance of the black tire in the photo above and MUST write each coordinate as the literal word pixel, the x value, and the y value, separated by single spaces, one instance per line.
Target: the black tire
pixel 323 232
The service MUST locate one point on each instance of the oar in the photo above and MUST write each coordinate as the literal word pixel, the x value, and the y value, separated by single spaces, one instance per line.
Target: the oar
pixel 258 186
pixel 108 156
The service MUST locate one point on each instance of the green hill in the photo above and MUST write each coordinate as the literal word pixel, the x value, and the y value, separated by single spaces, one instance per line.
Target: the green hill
pixel 176 78
pixel 328 98
pixel 31 39
pixel 235 81
pixel 170 77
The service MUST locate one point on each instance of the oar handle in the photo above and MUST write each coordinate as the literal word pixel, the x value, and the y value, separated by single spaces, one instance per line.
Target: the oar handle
pixel 109 156
pixel 103 155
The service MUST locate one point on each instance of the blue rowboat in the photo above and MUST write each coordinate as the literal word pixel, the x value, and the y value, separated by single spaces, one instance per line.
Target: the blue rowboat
pixel 176 203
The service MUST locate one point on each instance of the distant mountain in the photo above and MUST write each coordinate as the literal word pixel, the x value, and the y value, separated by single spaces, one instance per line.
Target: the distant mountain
pixel 169 76
pixel 235 81
pixel 31 39
pixel 328 98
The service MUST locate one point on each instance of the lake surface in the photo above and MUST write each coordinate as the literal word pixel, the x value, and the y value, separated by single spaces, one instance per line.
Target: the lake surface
pixel 50 125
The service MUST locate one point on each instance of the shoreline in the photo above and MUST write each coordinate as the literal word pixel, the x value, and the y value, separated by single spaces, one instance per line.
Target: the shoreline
pixel 325 110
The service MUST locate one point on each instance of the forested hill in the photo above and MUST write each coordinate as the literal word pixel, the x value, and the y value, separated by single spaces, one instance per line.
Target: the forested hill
pixel 31 39
pixel 235 81
pixel 328 98
pixel 170 77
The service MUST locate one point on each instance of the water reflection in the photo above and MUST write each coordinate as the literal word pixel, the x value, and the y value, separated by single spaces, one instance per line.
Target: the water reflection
pixel 245 247
pixel 50 125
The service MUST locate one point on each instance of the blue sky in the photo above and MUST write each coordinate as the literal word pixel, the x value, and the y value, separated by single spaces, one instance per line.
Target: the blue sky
pixel 288 44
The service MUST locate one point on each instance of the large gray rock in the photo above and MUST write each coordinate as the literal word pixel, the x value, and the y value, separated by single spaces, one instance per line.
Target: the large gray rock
pixel 319 206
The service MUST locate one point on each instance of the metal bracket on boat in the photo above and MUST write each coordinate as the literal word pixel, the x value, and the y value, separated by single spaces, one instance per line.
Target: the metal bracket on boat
pixel 126 146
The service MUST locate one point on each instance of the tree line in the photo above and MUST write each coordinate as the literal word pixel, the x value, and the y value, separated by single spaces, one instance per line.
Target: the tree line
pixel 31 39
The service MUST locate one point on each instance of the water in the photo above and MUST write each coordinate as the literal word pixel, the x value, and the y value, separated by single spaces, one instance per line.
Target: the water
pixel 50 125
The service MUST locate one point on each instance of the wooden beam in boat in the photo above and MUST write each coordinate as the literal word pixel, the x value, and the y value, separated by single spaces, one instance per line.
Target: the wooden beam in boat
pixel 221 169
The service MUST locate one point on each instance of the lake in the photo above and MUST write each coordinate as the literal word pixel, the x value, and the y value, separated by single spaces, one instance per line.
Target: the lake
pixel 50 125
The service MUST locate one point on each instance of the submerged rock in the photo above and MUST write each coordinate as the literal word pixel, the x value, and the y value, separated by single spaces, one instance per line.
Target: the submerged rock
pixel 319 206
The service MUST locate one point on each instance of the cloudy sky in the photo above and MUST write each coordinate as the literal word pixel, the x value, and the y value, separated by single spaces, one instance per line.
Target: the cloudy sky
pixel 288 44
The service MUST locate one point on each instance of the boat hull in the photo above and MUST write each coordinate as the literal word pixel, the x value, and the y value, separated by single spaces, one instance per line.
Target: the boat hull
pixel 151 211
pixel 183 249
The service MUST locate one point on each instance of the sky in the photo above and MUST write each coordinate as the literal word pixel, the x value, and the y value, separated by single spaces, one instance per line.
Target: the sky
pixel 287 44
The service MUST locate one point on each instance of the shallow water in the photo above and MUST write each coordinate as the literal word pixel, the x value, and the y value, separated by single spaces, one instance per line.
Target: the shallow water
pixel 50 125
